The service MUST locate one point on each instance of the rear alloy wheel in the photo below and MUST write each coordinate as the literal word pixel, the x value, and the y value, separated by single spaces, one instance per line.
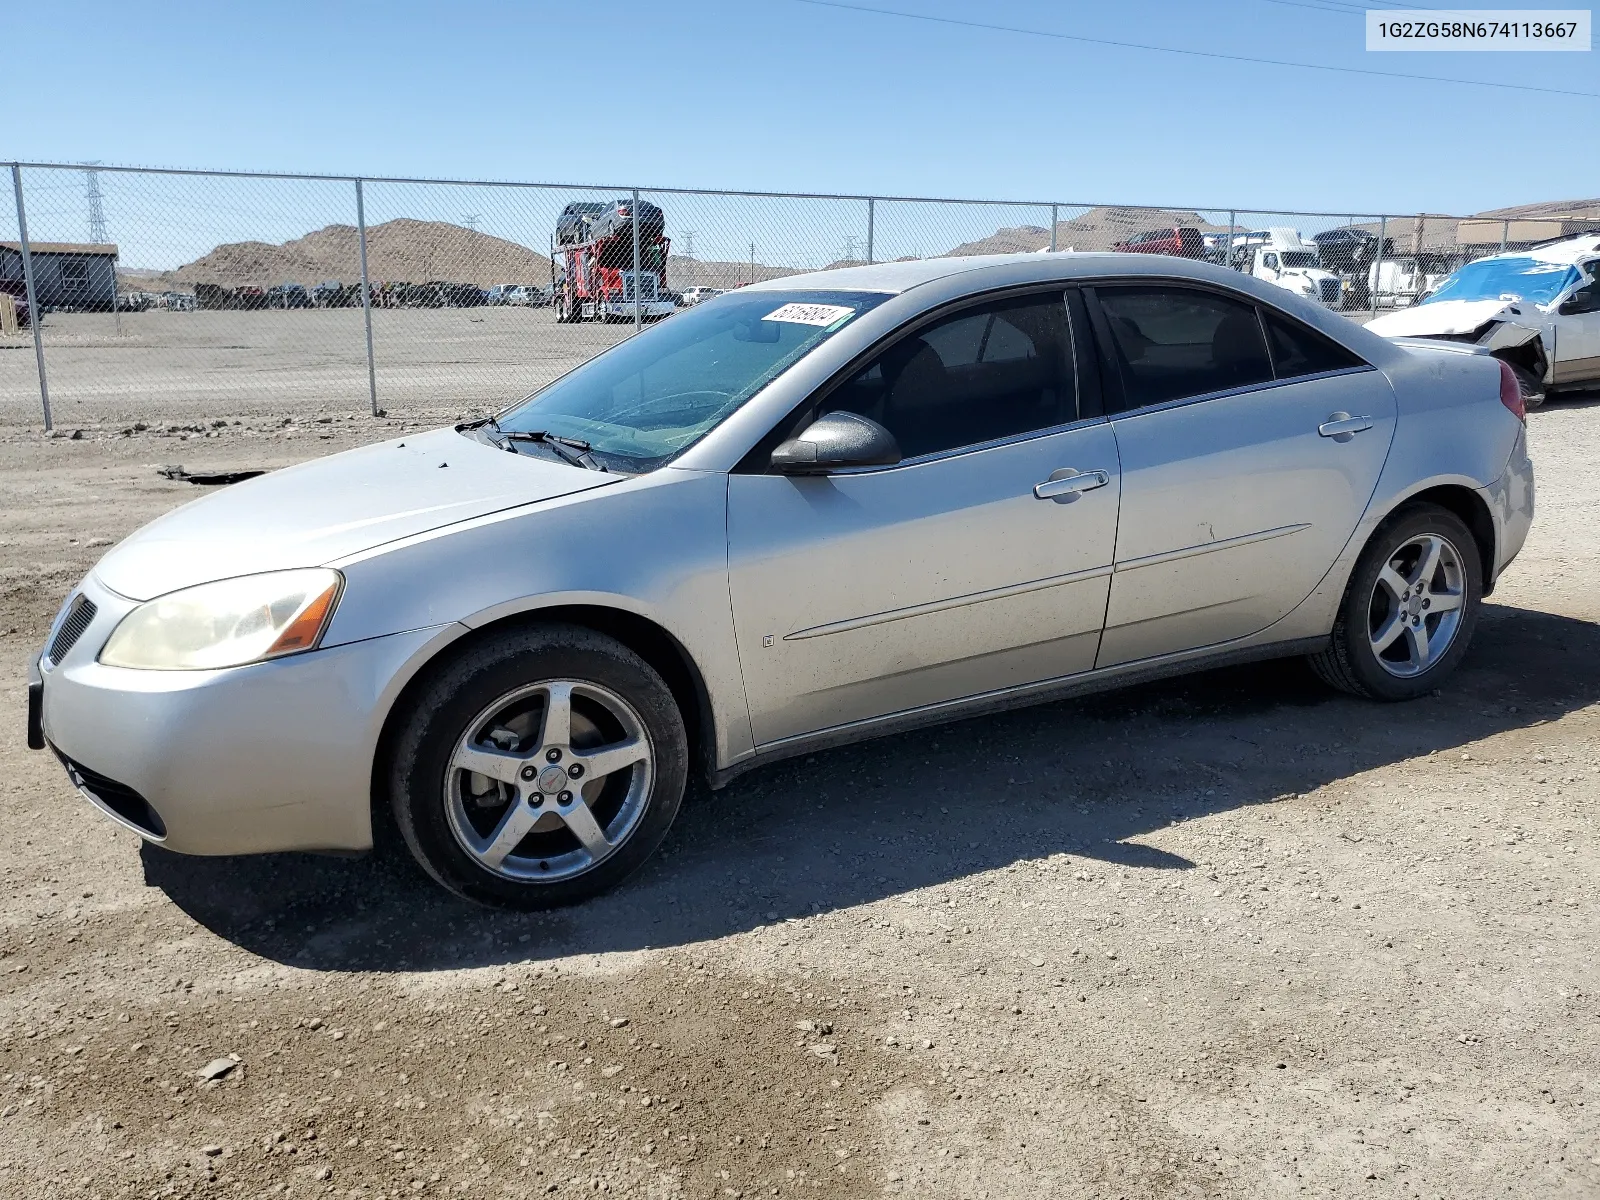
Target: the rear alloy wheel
pixel 1410 608
pixel 540 768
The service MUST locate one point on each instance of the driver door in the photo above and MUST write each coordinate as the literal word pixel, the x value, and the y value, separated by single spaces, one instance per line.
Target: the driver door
pixel 874 591
pixel 1577 351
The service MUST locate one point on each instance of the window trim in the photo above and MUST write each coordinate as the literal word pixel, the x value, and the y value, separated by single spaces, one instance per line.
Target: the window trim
pixel 1115 390
pixel 758 459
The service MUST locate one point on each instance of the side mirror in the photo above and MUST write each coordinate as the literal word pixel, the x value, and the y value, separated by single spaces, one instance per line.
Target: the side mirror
pixel 840 439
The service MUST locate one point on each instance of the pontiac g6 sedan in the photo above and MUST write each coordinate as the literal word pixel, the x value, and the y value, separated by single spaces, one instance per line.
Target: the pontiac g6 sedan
pixel 802 513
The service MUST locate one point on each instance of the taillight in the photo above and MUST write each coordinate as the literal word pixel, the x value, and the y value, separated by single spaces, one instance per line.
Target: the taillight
pixel 1511 392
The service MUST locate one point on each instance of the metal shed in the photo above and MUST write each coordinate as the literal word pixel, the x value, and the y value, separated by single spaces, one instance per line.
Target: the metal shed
pixel 66 275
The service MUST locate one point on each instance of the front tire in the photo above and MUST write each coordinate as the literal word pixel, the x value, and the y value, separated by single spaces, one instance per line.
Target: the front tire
pixel 539 768
pixel 1530 385
pixel 1410 608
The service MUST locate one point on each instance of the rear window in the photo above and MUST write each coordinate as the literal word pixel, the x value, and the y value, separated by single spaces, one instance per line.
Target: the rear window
pixel 1170 343
pixel 1298 351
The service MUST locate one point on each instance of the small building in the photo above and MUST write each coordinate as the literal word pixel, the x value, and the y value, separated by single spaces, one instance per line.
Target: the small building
pixel 66 275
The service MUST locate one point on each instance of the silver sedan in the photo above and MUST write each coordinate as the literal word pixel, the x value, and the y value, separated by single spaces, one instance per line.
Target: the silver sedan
pixel 802 513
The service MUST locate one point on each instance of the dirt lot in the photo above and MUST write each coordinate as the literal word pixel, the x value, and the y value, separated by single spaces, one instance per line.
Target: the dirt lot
pixel 1228 936
pixel 183 368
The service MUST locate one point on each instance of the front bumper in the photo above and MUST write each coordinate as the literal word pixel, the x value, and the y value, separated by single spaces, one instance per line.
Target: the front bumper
pixel 272 756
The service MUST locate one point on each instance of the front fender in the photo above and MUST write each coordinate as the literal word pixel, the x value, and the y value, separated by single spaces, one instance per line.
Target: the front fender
pixel 654 546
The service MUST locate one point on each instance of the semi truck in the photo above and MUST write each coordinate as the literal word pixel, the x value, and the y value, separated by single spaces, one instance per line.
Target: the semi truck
pixel 594 278
pixel 1282 257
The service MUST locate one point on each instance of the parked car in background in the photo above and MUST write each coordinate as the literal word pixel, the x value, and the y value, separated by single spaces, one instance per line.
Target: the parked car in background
pixel 695 295
pixel 499 293
pixel 1181 242
pixel 616 220
pixel 574 223
pixel 823 508
pixel 1538 310
pixel 288 295
pixel 525 295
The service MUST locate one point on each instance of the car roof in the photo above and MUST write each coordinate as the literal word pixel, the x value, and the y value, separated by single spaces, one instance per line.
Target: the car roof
pixel 974 274
pixel 995 270
pixel 1571 250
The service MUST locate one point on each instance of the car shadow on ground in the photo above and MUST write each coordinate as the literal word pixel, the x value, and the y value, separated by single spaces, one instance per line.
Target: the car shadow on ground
pixel 1085 777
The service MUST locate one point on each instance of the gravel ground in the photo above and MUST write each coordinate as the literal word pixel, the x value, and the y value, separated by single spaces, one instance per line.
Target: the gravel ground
pixel 1232 935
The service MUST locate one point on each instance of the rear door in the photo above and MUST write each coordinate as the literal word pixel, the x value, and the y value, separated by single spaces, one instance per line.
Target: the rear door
pixel 1245 469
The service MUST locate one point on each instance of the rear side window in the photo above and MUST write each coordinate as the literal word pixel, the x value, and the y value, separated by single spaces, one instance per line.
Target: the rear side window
pixel 1297 350
pixel 995 371
pixel 1171 343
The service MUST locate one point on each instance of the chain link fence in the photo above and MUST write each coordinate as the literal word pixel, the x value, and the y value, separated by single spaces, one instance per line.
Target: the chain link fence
pixel 131 295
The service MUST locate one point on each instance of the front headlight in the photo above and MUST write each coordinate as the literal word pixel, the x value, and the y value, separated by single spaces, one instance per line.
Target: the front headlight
pixel 227 623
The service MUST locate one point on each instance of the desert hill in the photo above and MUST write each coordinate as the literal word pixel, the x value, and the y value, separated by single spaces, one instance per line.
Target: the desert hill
pixel 400 250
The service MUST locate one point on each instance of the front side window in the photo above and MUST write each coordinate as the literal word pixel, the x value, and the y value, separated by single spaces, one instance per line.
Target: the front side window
pixel 649 398
pixel 1170 343
pixel 995 371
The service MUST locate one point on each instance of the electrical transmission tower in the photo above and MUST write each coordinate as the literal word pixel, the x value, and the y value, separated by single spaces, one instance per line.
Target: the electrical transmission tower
pixel 688 242
pixel 97 212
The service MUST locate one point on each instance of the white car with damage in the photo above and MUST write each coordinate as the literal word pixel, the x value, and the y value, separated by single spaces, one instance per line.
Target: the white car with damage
pixel 1537 309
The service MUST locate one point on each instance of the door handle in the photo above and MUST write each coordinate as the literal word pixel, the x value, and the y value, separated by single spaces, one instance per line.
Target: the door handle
pixel 1068 483
pixel 1341 426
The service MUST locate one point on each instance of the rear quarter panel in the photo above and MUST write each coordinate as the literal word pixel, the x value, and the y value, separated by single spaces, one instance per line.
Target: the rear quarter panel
pixel 1450 429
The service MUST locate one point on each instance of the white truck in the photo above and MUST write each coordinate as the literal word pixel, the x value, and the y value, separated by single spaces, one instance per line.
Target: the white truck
pixel 1283 257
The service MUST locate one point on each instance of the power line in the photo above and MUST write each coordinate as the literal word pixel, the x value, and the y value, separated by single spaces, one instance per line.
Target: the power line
pixel 97 212
pixel 1271 62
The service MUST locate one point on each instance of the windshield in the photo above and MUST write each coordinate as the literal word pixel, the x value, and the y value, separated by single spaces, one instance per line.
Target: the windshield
pixel 648 399
pixel 1516 278
pixel 1299 258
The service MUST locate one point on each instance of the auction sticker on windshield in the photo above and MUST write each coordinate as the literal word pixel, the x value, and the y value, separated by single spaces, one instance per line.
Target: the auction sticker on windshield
pixel 809 314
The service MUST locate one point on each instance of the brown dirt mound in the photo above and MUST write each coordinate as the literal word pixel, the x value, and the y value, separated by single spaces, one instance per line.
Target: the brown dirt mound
pixel 401 250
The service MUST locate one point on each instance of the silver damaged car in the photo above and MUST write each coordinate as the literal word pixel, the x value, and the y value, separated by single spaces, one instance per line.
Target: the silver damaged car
pixel 802 513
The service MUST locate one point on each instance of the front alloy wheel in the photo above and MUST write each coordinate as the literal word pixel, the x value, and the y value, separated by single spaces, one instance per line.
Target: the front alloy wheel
pixel 538 767
pixel 549 780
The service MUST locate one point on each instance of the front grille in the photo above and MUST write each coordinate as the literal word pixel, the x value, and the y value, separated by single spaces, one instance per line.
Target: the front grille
pixel 1330 290
pixel 79 614
pixel 117 797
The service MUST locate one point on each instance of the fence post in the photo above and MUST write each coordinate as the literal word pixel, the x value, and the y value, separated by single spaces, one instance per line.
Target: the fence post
pixel 1377 263
pixel 637 320
pixel 116 313
pixel 1055 217
pixel 871 218
pixel 35 317
pixel 366 296
pixel 1227 254
pixel 1505 232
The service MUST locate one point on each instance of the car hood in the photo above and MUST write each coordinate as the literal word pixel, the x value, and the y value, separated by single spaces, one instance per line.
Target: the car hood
pixel 1440 317
pixel 329 508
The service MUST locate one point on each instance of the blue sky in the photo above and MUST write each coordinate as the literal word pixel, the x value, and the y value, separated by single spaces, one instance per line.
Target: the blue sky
pixel 776 94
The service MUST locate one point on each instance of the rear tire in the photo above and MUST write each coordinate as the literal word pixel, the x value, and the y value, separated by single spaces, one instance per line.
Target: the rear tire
pixel 558 701
pixel 1410 608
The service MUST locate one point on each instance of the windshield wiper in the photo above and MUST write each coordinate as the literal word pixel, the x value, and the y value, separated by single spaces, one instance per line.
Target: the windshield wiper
pixel 572 450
